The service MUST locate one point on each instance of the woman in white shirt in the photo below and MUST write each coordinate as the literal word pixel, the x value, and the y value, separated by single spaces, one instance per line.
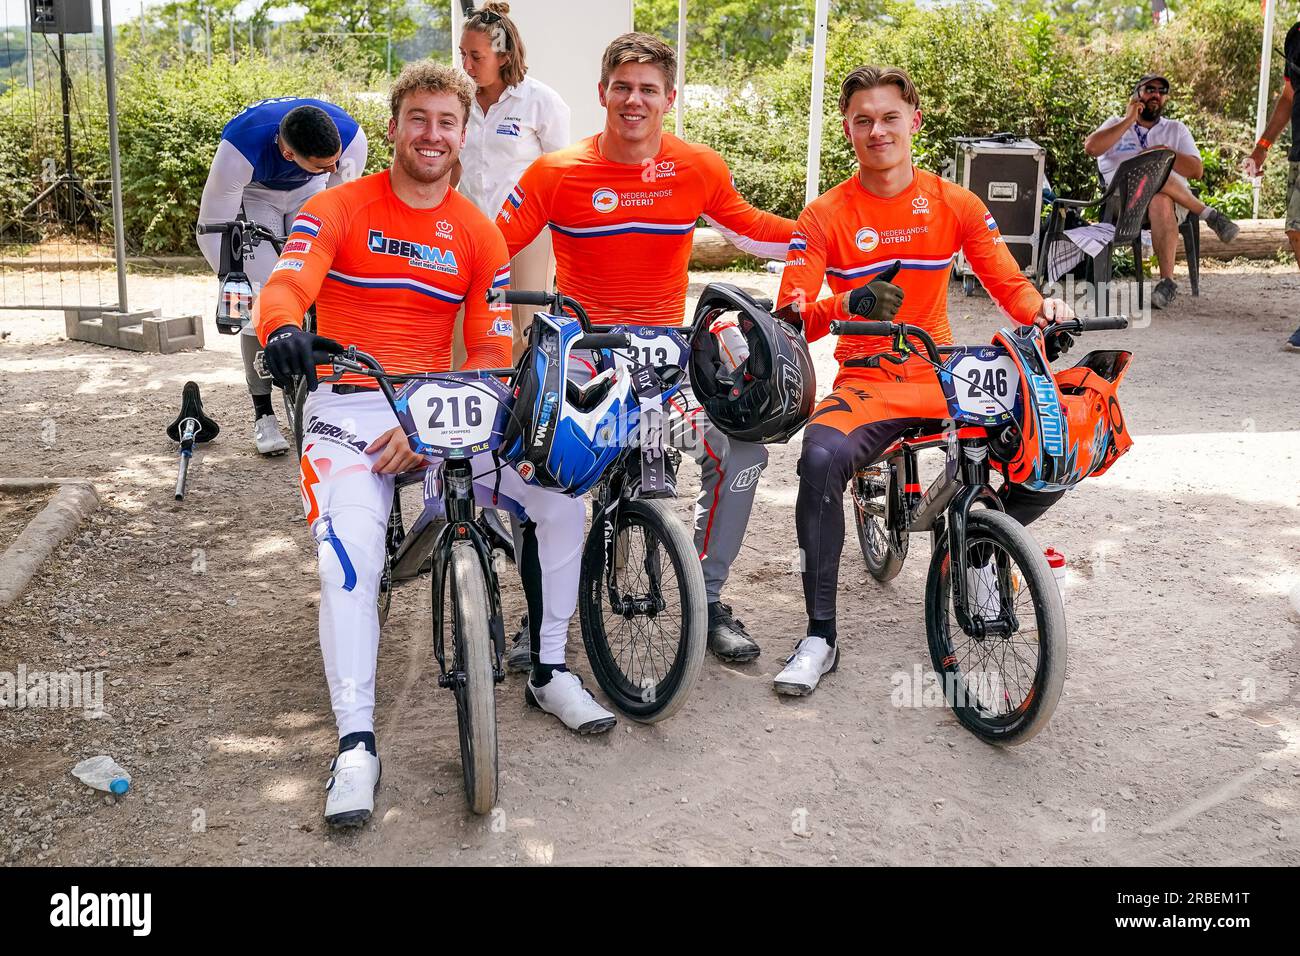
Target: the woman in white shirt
pixel 513 120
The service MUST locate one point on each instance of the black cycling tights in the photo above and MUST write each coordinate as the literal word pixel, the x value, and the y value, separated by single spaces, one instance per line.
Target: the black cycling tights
pixel 829 460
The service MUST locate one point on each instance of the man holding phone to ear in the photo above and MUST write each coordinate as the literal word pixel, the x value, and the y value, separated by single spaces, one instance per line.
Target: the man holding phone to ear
pixel 1142 127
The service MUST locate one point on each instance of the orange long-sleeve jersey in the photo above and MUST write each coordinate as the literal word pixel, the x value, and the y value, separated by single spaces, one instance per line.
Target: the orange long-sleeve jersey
pixel 390 279
pixel 622 232
pixel 851 236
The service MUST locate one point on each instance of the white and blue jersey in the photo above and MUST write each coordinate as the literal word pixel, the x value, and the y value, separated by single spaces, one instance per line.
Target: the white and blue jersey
pixel 249 174
pixel 254 130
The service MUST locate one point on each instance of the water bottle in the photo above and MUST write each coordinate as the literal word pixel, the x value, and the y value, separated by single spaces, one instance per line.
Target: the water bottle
pixel 733 349
pixel 775 267
pixel 103 773
pixel 1056 561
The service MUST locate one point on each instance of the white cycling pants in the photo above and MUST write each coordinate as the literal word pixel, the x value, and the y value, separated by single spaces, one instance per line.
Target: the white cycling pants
pixel 347 508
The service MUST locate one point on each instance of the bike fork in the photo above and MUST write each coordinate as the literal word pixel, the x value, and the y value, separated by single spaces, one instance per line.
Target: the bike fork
pixel 972 467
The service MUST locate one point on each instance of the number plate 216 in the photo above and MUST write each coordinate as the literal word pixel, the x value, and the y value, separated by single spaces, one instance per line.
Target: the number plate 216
pixel 455 417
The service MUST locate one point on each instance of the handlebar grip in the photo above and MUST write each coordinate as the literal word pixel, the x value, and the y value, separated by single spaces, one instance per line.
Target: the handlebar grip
pixel 862 328
pixel 603 340
pixel 1104 323
pixel 204 228
pixel 522 297
pixel 323 357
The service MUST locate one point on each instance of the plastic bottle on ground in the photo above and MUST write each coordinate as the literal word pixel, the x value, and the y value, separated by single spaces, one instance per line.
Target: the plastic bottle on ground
pixel 1056 561
pixel 103 773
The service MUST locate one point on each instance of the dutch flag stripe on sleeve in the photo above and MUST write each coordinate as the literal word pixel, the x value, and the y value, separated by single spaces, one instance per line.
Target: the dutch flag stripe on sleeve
pixel 306 224
pixel 502 278
pixel 989 221
pixel 516 197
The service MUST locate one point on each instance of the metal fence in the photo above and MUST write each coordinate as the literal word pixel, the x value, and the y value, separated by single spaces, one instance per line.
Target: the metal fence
pixel 58 245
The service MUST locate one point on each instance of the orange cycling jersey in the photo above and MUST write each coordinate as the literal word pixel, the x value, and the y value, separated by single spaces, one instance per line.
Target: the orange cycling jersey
pixel 851 236
pixel 390 279
pixel 622 232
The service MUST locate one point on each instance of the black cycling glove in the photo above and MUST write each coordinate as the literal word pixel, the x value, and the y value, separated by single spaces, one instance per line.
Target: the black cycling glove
pixel 1056 344
pixel 289 351
pixel 879 299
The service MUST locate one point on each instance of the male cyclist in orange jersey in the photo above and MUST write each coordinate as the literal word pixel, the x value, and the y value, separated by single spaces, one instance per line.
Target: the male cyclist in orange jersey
pixel 887 213
pixel 389 259
pixel 622 207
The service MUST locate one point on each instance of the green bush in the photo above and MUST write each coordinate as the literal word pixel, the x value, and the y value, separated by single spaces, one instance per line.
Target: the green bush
pixel 169 124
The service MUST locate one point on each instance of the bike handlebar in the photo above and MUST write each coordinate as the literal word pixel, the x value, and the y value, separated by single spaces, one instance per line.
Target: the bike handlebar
pixel 555 304
pixel 900 330
pixel 1102 323
pixel 247 225
pixel 862 328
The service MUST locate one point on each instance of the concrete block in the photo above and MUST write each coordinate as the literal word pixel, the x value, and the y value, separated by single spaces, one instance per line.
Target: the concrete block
pixel 140 330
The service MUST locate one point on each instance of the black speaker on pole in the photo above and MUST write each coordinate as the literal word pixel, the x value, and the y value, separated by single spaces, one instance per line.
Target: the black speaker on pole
pixel 61 16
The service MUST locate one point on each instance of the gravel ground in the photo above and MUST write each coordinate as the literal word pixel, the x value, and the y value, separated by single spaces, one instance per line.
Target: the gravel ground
pixel 1177 740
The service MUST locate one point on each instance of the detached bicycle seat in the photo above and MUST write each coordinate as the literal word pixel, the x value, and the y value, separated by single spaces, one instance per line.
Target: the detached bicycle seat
pixel 192 407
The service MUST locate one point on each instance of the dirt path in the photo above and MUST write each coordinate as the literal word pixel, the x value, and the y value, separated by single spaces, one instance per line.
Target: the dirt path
pixel 1177 740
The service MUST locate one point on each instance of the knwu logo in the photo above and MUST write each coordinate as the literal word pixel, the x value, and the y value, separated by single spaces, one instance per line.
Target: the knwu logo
pixel 920 206
pixel 415 253
pixel 443 228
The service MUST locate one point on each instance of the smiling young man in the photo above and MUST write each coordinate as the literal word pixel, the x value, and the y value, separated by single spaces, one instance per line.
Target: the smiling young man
pixel 889 213
pixel 622 207
pixel 388 260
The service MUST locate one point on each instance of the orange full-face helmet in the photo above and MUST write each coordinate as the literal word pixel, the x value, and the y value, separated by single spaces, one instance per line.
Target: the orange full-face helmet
pixel 1070 424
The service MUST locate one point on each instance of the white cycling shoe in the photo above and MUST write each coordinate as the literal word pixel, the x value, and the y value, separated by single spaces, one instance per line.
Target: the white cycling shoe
pixel 267 437
pixel 812 658
pixel 354 774
pixel 566 698
pixel 982 591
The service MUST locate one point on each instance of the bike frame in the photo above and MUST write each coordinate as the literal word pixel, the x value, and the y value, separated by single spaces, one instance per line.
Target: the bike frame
pixel 944 509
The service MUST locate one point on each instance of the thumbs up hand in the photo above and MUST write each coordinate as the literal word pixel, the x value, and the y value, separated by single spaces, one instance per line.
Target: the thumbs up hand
pixel 879 299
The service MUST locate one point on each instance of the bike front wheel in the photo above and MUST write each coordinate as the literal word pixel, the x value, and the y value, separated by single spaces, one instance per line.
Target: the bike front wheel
pixel 1002 688
pixel 295 399
pixel 475 686
pixel 645 619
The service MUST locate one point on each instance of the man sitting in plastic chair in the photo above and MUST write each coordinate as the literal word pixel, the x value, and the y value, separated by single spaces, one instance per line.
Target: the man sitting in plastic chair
pixel 1143 126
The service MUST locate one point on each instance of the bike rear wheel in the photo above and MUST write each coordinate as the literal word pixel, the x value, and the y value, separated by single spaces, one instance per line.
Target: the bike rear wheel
pixel 884 549
pixel 1003 689
pixel 475 688
pixel 645 653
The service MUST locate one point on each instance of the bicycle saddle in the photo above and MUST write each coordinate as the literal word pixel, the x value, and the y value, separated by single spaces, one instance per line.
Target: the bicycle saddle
pixel 192 407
